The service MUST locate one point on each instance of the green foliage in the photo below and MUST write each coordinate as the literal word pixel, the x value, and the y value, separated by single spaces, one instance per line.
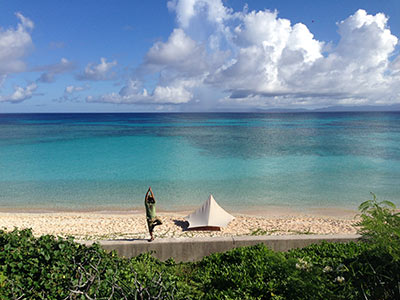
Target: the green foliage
pixel 375 274
pixel 55 268
pixel 240 273
pixel 259 273
pixel 380 225
pixel 368 272
pixel 260 231
pixel 323 271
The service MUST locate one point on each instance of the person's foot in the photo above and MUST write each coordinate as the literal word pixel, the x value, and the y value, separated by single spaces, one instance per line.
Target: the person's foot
pixel 151 239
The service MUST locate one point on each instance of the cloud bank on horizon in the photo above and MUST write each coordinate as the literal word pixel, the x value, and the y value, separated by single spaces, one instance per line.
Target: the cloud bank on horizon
pixel 219 58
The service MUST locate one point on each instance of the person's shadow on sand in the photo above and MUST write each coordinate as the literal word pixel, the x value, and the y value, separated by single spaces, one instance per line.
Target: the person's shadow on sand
pixel 182 224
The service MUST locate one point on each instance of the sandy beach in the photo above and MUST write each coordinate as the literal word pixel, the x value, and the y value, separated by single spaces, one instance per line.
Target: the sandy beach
pixel 126 225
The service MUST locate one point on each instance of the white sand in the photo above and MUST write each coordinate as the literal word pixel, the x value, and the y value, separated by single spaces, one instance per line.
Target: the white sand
pixel 109 226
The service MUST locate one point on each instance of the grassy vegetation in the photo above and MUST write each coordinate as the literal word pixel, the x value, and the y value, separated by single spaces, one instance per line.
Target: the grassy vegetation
pixel 260 231
pixel 56 268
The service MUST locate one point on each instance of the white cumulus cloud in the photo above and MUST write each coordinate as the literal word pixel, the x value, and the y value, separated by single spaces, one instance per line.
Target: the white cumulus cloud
pixel 50 71
pixel 189 9
pixel 180 52
pixel 101 71
pixel 257 59
pixel 70 94
pixel 14 44
pixel 134 93
pixel 71 89
pixel 20 94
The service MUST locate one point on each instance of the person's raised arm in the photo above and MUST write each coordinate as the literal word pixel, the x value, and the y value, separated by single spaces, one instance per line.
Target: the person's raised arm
pixel 151 192
pixel 147 194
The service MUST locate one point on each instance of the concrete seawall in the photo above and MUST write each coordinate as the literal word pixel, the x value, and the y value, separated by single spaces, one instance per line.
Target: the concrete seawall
pixel 193 249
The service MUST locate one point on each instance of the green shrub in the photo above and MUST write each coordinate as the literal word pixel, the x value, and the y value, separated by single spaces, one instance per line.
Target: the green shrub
pixel 259 273
pixel 323 271
pixel 380 225
pixel 368 272
pixel 56 268
pixel 241 273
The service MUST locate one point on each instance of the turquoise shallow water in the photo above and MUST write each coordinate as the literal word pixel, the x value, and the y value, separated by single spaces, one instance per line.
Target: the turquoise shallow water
pixel 107 161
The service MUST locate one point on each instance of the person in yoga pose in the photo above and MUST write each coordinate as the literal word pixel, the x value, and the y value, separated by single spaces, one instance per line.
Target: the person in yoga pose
pixel 152 220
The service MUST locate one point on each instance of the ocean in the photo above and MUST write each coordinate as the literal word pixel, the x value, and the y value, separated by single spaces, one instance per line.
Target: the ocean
pixel 246 160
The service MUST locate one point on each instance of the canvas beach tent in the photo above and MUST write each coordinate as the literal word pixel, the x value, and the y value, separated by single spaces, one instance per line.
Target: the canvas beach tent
pixel 210 216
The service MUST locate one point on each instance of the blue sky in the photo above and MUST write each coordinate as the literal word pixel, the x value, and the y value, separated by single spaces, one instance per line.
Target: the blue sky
pixel 197 55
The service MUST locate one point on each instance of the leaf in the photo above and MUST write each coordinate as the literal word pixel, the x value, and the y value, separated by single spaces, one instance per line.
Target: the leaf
pixel 365 205
pixel 388 203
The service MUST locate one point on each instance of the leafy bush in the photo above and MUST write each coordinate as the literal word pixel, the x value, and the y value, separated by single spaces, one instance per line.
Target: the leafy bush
pixel 366 272
pixel 241 273
pixel 56 268
pixel 323 271
pixel 259 273
pixel 380 225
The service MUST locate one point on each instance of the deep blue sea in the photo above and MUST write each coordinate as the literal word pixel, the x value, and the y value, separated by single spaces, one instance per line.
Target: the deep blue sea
pixel 246 160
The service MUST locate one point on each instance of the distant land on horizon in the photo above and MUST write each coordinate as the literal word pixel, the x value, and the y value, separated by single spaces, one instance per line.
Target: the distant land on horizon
pixel 338 108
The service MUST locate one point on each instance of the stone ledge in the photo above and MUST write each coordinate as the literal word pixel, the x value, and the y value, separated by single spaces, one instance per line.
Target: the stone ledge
pixel 193 249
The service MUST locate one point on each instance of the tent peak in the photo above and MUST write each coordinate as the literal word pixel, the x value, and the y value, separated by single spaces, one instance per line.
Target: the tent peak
pixel 210 214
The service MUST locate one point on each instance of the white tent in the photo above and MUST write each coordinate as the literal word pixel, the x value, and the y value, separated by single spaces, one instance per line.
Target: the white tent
pixel 209 216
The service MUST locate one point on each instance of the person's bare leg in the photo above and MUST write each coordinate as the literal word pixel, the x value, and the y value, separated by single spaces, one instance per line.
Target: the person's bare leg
pixel 151 233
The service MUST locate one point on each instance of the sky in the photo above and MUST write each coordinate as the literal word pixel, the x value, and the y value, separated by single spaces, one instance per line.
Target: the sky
pixel 197 55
